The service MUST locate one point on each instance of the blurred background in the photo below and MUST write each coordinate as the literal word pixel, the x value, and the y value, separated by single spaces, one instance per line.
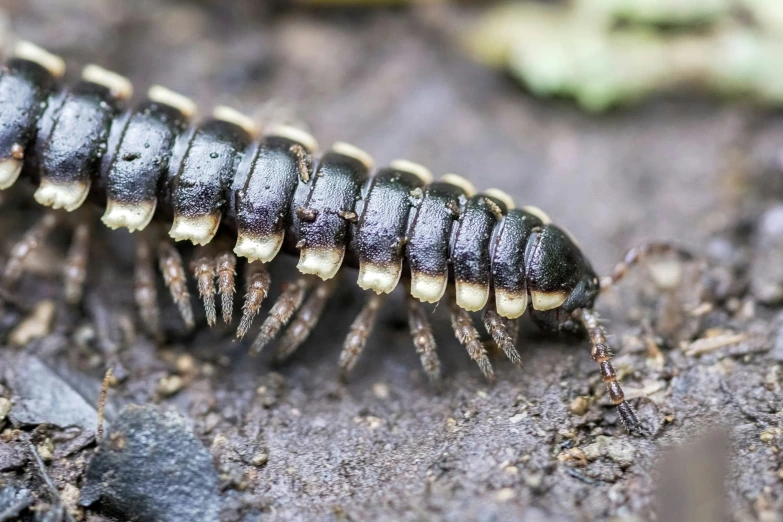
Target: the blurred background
pixel 625 120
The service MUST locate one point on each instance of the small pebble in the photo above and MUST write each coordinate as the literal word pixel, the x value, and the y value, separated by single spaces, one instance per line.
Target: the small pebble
pixel 37 325
pixel 170 385
pixel 380 390
pixel 5 407
pixel 505 494
pixel 580 405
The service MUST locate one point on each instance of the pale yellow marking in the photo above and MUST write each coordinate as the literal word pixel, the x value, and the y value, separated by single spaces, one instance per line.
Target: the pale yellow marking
pixel 9 172
pixel 472 296
pixel 352 151
pixel 183 104
pixel 510 304
pixel 198 230
pixel 381 279
pixel 51 62
pixel 298 135
pixel 230 115
pixel 322 262
pixel 428 288
pixel 133 216
pixel 255 248
pixel 498 194
pixel 459 181
pixel 68 196
pixel 420 171
pixel 119 86
pixel 547 300
pixel 540 214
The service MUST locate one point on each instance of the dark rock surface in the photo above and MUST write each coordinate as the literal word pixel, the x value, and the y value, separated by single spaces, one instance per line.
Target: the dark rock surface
pixel 150 466
pixel 291 442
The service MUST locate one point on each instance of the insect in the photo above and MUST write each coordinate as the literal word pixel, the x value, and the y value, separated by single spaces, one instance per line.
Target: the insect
pixel 218 182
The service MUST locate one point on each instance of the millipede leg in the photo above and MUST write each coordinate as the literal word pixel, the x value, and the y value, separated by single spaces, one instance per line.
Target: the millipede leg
pixel 468 336
pixel 226 271
pixel 498 329
pixel 176 280
pixel 601 355
pixel 639 253
pixel 359 333
pixel 257 282
pixel 305 320
pixel 203 267
pixel 423 340
pixel 144 288
pixel 289 302
pixel 75 271
pixel 32 239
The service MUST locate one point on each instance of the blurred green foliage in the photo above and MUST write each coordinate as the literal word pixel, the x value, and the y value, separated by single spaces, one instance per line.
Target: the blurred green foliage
pixel 605 53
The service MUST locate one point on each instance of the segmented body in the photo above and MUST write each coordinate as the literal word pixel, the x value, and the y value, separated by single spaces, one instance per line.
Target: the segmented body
pixel 272 194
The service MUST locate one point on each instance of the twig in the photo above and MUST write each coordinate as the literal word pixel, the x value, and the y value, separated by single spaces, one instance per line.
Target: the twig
pixel 102 402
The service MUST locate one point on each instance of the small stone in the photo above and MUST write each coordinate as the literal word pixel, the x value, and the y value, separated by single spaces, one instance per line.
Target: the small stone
pixel 35 326
pixel 259 459
pixel 533 479
pixel 579 405
pixel 621 452
pixel 46 449
pixel 511 470
pixel 380 390
pixel 5 407
pixel 505 494
pixel 186 364
pixel 770 434
pixel 519 417
pixel 170 385
pixel 574 456
pixel 69 496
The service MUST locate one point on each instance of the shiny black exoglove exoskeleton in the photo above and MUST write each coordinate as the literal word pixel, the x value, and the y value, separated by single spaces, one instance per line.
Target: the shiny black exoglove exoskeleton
pixel 216 183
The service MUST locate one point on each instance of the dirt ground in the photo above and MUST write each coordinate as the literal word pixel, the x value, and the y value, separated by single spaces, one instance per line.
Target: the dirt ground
pixel 701 363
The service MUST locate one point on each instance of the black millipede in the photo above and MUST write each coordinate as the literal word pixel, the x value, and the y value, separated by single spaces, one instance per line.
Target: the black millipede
pixel 270 192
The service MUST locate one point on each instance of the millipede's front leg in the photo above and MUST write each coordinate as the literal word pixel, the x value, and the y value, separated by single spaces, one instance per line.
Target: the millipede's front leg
pixel 305 320
pixel 640 253
pixel 423 340
pixel 287 304
pixel 144 288
pixel 257 282
pixel 361 328
pixel 498 328
pixel 31 241
pixel 176 280
pixel 468 336
pixel 601 354
pixel 204 270
pixel 75 269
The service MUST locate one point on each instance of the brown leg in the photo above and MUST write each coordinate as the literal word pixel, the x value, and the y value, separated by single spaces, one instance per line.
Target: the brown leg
pixel 601 355
pixel 639 253
pixel 144 288
pixel 359 333
pixel 203 267
pixel 226 272
pixel 282 311
pixel 468 336
pixel 75 271
pixel 498 329
pixel 257 281
pixel 32 239
pixel 423 339
pixel 176 280
pixel 305 320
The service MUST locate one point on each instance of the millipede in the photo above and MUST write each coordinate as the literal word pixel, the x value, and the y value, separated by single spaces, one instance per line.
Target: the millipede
pixel 235 192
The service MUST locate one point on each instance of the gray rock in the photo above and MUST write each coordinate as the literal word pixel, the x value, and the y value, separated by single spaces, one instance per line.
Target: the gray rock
pixel 151 467
pixel 42 397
